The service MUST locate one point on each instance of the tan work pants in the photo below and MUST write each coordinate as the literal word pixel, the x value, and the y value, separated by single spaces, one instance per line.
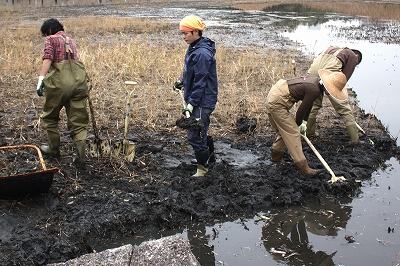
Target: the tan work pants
pixel 332 63
pixel 279 102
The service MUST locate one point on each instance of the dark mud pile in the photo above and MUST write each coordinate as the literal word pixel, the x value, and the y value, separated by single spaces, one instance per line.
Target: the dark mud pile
pixel 111 198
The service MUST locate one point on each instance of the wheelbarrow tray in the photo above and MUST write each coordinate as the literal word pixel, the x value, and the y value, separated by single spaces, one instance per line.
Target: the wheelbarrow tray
pixel 20 185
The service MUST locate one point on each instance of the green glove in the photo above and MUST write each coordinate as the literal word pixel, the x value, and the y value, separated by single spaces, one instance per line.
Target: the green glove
pixel 39 88
pixel 178 85
pixel 188 108
pixel 303 127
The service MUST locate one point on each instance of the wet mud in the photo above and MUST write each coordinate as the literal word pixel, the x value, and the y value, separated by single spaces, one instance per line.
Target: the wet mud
pixel 112 198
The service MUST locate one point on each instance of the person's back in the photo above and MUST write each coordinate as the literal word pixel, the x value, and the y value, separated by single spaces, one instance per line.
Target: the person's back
pixel 336 59
pixel 64 80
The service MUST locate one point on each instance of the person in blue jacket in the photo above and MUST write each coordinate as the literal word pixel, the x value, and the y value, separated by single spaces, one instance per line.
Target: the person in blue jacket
pixel 200 85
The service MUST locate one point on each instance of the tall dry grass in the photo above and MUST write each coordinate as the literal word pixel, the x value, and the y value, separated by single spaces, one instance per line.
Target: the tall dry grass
pixel 149 52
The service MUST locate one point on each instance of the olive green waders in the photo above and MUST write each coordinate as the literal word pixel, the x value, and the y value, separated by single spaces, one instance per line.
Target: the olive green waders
pixel 66 86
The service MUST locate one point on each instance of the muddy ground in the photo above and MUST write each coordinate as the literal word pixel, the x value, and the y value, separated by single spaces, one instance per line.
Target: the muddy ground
pixel 111 198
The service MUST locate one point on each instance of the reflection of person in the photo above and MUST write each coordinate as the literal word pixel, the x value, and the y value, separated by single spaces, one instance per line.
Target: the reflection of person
pixel 200 246
pixel 286 233
pixel 200 84
pixel 281 98
pixel 65 83
pixel 343 60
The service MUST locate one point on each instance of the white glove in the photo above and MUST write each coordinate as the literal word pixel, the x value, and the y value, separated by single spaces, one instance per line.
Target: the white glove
pixel 188 108
pixel 39 88
pixel 303 127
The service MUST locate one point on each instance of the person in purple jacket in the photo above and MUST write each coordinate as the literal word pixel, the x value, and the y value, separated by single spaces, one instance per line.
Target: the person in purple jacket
pixel 200 84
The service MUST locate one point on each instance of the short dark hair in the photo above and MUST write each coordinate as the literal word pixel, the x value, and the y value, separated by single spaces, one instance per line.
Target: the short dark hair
pixel 51 26
pixel 359 55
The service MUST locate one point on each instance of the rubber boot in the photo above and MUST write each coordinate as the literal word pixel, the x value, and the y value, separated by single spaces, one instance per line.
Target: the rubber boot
pixel 277 156
pixel 80 157
pixel 210 145
pixel 202 162
pixel 53 149
pixel 305 170
pixel 352 131
pixel 311 125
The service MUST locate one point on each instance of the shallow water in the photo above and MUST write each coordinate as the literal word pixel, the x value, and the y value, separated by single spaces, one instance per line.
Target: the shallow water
pixel 310 232
pixel 375 79
pixel 313 231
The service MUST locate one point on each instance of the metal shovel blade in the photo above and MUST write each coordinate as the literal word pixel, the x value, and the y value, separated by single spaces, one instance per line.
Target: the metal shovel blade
pixel 334 178
pixel 128 146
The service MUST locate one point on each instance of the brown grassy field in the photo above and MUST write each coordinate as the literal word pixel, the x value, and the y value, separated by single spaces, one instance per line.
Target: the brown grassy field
pixel 123 49
pixel 151 53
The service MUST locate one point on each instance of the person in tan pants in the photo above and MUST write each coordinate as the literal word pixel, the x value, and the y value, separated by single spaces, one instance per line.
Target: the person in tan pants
pixel 281 98
pixel 336 59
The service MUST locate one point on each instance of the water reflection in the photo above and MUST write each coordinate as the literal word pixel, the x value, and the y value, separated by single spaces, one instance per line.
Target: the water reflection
pixel 199 241
pixel 309 234
pixel 286 237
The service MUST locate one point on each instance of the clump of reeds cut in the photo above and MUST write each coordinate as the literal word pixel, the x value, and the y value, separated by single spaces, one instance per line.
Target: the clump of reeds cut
pixel 150 52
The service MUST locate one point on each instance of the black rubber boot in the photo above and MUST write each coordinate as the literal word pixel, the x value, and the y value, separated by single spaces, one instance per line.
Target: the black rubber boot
pixel 210 145
pixel 202 162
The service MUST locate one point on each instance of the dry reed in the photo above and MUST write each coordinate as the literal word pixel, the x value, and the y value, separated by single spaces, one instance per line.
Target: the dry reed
pixel 146 51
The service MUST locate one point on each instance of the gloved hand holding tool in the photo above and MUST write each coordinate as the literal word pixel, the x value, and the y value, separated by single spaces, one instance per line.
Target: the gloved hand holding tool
pixel 187 110
pixel 189 122
pixel 178 86
pixel 303 127
pixel 40 85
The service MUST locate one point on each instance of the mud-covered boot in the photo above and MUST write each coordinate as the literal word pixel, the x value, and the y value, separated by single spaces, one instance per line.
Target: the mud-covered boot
pixel 210 145
pixel 53 149
pixel 305 170
pixel 311 125
pixel 202 162
pixel 80 157
pixel 277 156
pixel 352 131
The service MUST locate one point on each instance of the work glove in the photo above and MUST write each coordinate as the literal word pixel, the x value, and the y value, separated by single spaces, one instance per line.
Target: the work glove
pixel 188 108
pixel 303 127
pixel 178 85
pixel 40 86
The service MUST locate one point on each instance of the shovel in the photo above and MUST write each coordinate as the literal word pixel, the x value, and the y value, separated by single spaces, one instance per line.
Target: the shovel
pixel 334 177
pixel 101 147
pixel 128 147
pixel 188 122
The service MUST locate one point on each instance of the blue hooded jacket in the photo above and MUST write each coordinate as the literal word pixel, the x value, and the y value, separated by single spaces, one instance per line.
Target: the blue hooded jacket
pixel 200 74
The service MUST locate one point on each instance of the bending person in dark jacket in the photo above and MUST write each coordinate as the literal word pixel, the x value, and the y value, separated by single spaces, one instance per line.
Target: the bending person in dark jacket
pixel 281 98
pixel 200 84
